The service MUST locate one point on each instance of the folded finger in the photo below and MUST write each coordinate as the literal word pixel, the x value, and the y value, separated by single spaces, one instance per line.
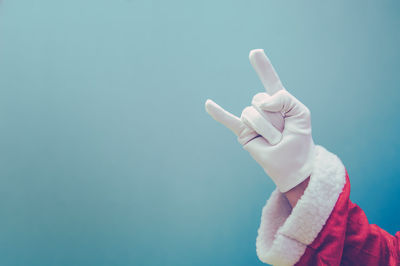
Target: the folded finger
pixel 253 119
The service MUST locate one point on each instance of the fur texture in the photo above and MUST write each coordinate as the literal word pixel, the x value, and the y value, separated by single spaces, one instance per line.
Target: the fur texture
pixel 285 233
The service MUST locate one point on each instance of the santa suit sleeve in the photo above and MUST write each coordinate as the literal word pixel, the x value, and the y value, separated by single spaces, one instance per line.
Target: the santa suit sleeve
pixel 325 227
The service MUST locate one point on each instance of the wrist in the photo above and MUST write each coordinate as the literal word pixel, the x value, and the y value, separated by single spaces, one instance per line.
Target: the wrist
pixel 295 193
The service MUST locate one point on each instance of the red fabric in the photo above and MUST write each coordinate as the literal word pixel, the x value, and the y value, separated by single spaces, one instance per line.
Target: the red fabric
pixel 348 239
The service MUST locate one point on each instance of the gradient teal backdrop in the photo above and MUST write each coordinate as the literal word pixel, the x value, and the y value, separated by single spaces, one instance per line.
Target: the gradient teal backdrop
pixel 107 156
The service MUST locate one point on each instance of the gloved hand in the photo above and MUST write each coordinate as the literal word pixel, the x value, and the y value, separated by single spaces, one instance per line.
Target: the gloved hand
pixel 287 153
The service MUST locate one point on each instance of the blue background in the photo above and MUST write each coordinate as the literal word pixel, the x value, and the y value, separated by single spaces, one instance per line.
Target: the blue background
pixel 107 156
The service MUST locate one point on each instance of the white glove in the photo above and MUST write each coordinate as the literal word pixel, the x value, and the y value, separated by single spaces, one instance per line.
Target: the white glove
pixel 287 156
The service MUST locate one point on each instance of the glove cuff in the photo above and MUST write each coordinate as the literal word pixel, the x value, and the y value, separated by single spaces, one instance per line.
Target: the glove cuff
pixel 296 176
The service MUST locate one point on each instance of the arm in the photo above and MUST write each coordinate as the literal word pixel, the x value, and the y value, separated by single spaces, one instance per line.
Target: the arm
pixel 348 238
pixel 368 244
pixel 294 235
pixel 324 227
pixel 308 219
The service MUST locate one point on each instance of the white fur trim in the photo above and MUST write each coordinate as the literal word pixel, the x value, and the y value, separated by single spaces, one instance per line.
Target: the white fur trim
pixel 284 233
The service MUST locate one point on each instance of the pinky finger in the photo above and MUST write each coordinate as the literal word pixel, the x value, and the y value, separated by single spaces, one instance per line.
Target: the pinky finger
pixel 224 117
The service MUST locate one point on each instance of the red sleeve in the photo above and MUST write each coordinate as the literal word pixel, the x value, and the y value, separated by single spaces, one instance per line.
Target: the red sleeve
pixel 325 227
pixel 349 239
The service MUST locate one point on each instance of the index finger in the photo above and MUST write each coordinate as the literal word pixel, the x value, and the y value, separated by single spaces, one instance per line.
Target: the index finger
pixel 265 71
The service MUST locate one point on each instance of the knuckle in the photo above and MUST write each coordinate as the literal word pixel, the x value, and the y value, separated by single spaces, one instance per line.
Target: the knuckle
pixel 284 95
pixel 260 96
pixel 247 111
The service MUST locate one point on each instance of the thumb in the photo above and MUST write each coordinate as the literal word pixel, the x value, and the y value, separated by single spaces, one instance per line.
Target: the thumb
pixel 224 117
